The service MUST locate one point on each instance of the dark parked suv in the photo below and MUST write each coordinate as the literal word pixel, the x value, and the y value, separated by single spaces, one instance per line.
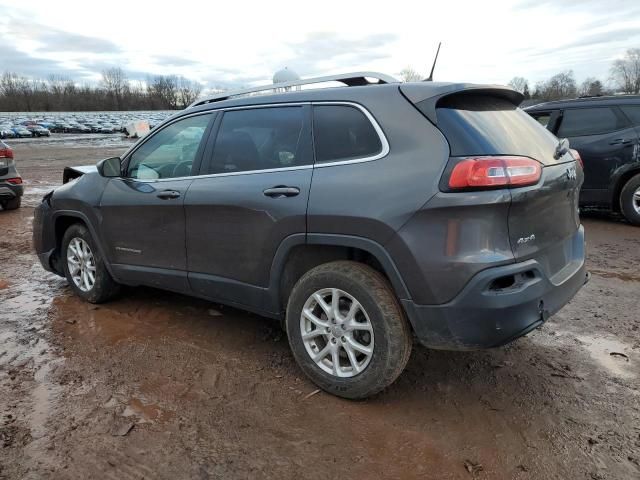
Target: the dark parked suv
pixel 360 215
pixel 11 188
pixel 606 133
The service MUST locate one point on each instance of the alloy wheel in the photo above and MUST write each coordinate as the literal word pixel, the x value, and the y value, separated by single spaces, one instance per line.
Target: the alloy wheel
pixel 337 332
pixel 81 263
pixel 636 200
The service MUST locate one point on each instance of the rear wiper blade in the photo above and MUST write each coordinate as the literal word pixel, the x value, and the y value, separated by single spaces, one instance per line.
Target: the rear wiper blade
pixel 561 148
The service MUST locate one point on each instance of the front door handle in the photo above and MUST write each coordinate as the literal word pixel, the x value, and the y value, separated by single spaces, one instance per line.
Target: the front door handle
pixel 620 141
pixel 168 194
pixel 281 191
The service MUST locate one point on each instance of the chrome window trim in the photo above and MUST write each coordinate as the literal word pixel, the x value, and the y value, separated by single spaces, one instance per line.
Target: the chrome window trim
pixel 383 140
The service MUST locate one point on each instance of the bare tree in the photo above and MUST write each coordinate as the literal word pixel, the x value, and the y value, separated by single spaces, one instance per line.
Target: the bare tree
pixel 625 72
pixel 591 87
pixel 408 74
pixel 519 84
pixel 163 91
pixel 114 81
pixel 188 91
pixel 561 85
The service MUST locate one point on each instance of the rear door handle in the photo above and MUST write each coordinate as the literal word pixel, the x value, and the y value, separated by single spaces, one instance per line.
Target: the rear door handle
pixel 620 141
pixel 168 194
pixel 281 191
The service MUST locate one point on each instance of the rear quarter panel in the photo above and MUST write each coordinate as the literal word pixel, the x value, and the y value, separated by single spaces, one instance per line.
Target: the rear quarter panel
pixel 374 199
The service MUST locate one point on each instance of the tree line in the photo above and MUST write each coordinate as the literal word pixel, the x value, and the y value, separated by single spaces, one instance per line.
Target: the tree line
pixel 624 78
pixel 114 92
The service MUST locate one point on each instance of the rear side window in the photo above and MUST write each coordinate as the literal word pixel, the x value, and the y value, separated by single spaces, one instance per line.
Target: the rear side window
pixel 484 125
pixel 633 112
pixel 542 118
pixel 343 132
pixel 261 138
pixel 589 121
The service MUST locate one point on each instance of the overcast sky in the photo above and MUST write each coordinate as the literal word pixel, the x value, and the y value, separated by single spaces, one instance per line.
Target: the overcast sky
pixel 244 42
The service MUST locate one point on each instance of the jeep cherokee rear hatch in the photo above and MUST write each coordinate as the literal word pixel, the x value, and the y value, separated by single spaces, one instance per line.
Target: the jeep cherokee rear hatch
pixel 495 145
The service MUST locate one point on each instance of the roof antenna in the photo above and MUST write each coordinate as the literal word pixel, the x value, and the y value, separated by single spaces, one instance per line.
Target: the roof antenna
pixel 430 78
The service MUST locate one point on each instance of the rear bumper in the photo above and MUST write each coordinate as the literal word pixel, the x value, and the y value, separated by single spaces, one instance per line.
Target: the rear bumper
pixel 9 191
pixel 484 315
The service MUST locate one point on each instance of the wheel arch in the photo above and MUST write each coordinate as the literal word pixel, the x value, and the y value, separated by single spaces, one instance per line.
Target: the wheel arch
pixel 297 254
pixel 621 177
pixel 63 219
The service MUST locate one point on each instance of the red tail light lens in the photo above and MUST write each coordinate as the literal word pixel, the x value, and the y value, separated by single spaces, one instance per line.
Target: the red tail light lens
pixel 6 153
pixel 486 172
pixel 14 181
pixel 577 156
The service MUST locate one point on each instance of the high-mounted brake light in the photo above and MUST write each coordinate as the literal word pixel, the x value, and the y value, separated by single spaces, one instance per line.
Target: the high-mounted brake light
pixel 577 156
pixel 6 153
pixel 14 181
pixel 483 172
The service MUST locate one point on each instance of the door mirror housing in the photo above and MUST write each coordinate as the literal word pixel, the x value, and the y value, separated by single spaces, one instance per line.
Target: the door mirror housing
pixel 110 167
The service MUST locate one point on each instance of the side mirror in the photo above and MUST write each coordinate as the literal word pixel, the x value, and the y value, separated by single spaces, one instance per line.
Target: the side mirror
pixel 109 167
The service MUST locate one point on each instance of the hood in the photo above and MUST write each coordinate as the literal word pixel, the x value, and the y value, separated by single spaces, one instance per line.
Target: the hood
pixel 71 173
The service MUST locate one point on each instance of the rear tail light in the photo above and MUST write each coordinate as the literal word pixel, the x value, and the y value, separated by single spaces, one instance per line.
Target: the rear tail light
pixel 577 156
pixel 6 153
pixel 488 172
pixel 14 181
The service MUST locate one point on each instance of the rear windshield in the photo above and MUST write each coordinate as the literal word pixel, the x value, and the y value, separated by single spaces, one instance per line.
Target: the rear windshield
pixel 483 125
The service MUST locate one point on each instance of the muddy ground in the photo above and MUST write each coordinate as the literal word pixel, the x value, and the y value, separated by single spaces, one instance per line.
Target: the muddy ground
pixel 158 385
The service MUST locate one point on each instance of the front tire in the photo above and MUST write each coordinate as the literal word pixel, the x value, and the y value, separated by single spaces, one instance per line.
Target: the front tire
pixel 347 330
pixel 630 200
pixel 84 267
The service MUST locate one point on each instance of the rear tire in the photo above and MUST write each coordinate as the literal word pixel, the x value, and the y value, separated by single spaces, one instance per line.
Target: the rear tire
pixel 84 266
pixel 630 200
pixel 12 204
pixel 367 342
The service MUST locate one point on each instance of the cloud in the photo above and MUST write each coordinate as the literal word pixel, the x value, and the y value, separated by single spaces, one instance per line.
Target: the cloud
pixel 597 39
pixel 322 49
pixel 173 61
pixel 51 39
pixel 22 63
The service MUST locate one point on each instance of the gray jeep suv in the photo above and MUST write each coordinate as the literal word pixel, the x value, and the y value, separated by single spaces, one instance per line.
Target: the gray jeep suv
pixel 360 216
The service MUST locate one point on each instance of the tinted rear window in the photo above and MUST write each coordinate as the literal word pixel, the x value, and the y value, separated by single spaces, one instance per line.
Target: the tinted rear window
pixel 483 125
pixel 342 132
pixel 589 121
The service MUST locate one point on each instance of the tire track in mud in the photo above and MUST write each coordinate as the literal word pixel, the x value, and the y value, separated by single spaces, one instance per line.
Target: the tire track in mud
pixel 28 362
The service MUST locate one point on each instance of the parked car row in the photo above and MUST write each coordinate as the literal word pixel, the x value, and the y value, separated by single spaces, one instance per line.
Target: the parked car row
pixel 22 125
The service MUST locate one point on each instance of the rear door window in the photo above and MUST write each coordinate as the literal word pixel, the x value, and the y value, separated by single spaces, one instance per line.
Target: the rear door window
pixel 262 139
pixel 577 122
pixel 343 132
pixel 633 112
